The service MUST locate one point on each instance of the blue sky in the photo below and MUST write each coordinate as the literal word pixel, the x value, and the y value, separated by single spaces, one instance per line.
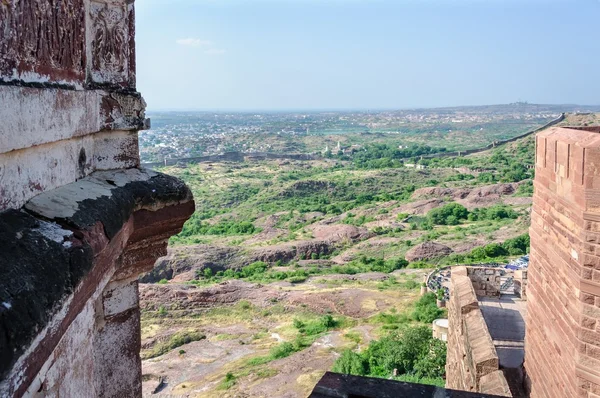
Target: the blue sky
pixel 366 54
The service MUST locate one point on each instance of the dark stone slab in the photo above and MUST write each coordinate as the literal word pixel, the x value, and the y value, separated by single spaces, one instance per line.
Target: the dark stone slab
pixel 337 385
pixel 47 251
pixel 37 270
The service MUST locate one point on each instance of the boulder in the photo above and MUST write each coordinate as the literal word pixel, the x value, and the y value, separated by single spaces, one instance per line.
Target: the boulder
pixel 426 251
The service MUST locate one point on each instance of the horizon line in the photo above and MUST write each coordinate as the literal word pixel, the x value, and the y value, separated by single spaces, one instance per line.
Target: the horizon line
pixel 363 109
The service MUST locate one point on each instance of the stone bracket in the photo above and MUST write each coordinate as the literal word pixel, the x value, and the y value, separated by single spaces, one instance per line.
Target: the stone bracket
pixel 88 240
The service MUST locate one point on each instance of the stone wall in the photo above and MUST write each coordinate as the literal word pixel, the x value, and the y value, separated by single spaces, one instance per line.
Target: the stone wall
pixel 92 221
pixel 69 321
pixel 486 281
pixel 520 281
pixel 472 362
pixel 67 92
pixel 563 323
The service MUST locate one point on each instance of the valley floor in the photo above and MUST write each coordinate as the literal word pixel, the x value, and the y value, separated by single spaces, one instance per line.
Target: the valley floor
pixel 239 321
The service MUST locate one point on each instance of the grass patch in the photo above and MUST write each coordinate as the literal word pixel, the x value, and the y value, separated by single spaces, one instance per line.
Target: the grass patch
pixel 176 340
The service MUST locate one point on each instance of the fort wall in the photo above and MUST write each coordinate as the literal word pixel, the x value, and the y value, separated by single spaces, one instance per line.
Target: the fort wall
pixel 563 291
pixel 472 363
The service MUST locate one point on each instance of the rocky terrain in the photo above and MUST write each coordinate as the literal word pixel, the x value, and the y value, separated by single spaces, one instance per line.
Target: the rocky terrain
pixel 299 240
pixel 239 321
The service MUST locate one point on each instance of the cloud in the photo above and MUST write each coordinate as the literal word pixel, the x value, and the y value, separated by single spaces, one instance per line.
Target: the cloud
pixel 193 42
pixel 214 51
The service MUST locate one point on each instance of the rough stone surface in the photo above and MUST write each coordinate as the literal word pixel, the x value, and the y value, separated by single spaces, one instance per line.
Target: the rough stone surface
pixel 26 173
pixel 67 86
pixel 562 338
pixel 426 251
pixel 486 281
pixel 89 241
pixel 70 114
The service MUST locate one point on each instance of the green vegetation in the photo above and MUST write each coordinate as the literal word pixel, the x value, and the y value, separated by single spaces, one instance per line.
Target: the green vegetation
pixel 426 310
pixel 454 214
pixel 309 331
pixel 176 340
pixel 493 251
pixel 508 163
pixel 450 214
pixel 378 156
pixel 349 214
pixel 228 382
pixel 412 352
pixel 194 226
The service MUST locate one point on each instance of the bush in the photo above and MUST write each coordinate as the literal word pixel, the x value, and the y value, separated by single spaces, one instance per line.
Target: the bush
pixel 350 363
pixel 433 363
pixel 282 350
pixel 412 351
pixel 257 268
pixel 420 265
pixel 518 245
pixel 493 213
pixel 228 382
pixel 426 309
pixel 449 214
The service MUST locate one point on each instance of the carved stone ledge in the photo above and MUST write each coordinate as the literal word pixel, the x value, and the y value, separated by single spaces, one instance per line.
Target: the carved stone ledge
pixel 69 263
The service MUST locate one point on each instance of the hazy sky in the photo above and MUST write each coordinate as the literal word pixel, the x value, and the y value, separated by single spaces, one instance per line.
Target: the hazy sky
pixel 366 54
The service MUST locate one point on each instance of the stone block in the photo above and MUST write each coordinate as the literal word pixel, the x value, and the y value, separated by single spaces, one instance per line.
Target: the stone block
pixel 51 44
pixel 119 297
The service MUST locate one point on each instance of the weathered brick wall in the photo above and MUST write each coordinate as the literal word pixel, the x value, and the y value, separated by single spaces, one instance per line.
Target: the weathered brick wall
pixel 486 281
pixel 562 341
pixel 471 362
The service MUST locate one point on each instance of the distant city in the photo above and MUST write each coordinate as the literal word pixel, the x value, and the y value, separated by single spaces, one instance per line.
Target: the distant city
pixel 180 134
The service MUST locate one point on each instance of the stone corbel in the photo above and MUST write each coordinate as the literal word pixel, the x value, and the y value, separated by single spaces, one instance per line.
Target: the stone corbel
pixel 69 313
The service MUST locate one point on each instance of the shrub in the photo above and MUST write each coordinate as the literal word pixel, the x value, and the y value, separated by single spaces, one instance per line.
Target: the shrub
pixel 426 309
pixel 449 214
pixel 254 269
pixel 282 350
pixel 228 382
pixel 350 363
pixel 411 351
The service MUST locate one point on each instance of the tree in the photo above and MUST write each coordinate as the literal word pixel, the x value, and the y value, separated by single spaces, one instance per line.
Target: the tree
pixel 433 363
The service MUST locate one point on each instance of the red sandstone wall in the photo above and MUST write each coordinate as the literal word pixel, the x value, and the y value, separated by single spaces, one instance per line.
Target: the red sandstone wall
pixel 562 344
pixel 471 361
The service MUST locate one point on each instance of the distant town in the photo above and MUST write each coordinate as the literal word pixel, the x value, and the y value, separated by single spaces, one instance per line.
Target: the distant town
pixel 191 134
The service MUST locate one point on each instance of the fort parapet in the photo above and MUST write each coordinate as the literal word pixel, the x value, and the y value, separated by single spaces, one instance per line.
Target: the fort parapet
pixel 472 362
